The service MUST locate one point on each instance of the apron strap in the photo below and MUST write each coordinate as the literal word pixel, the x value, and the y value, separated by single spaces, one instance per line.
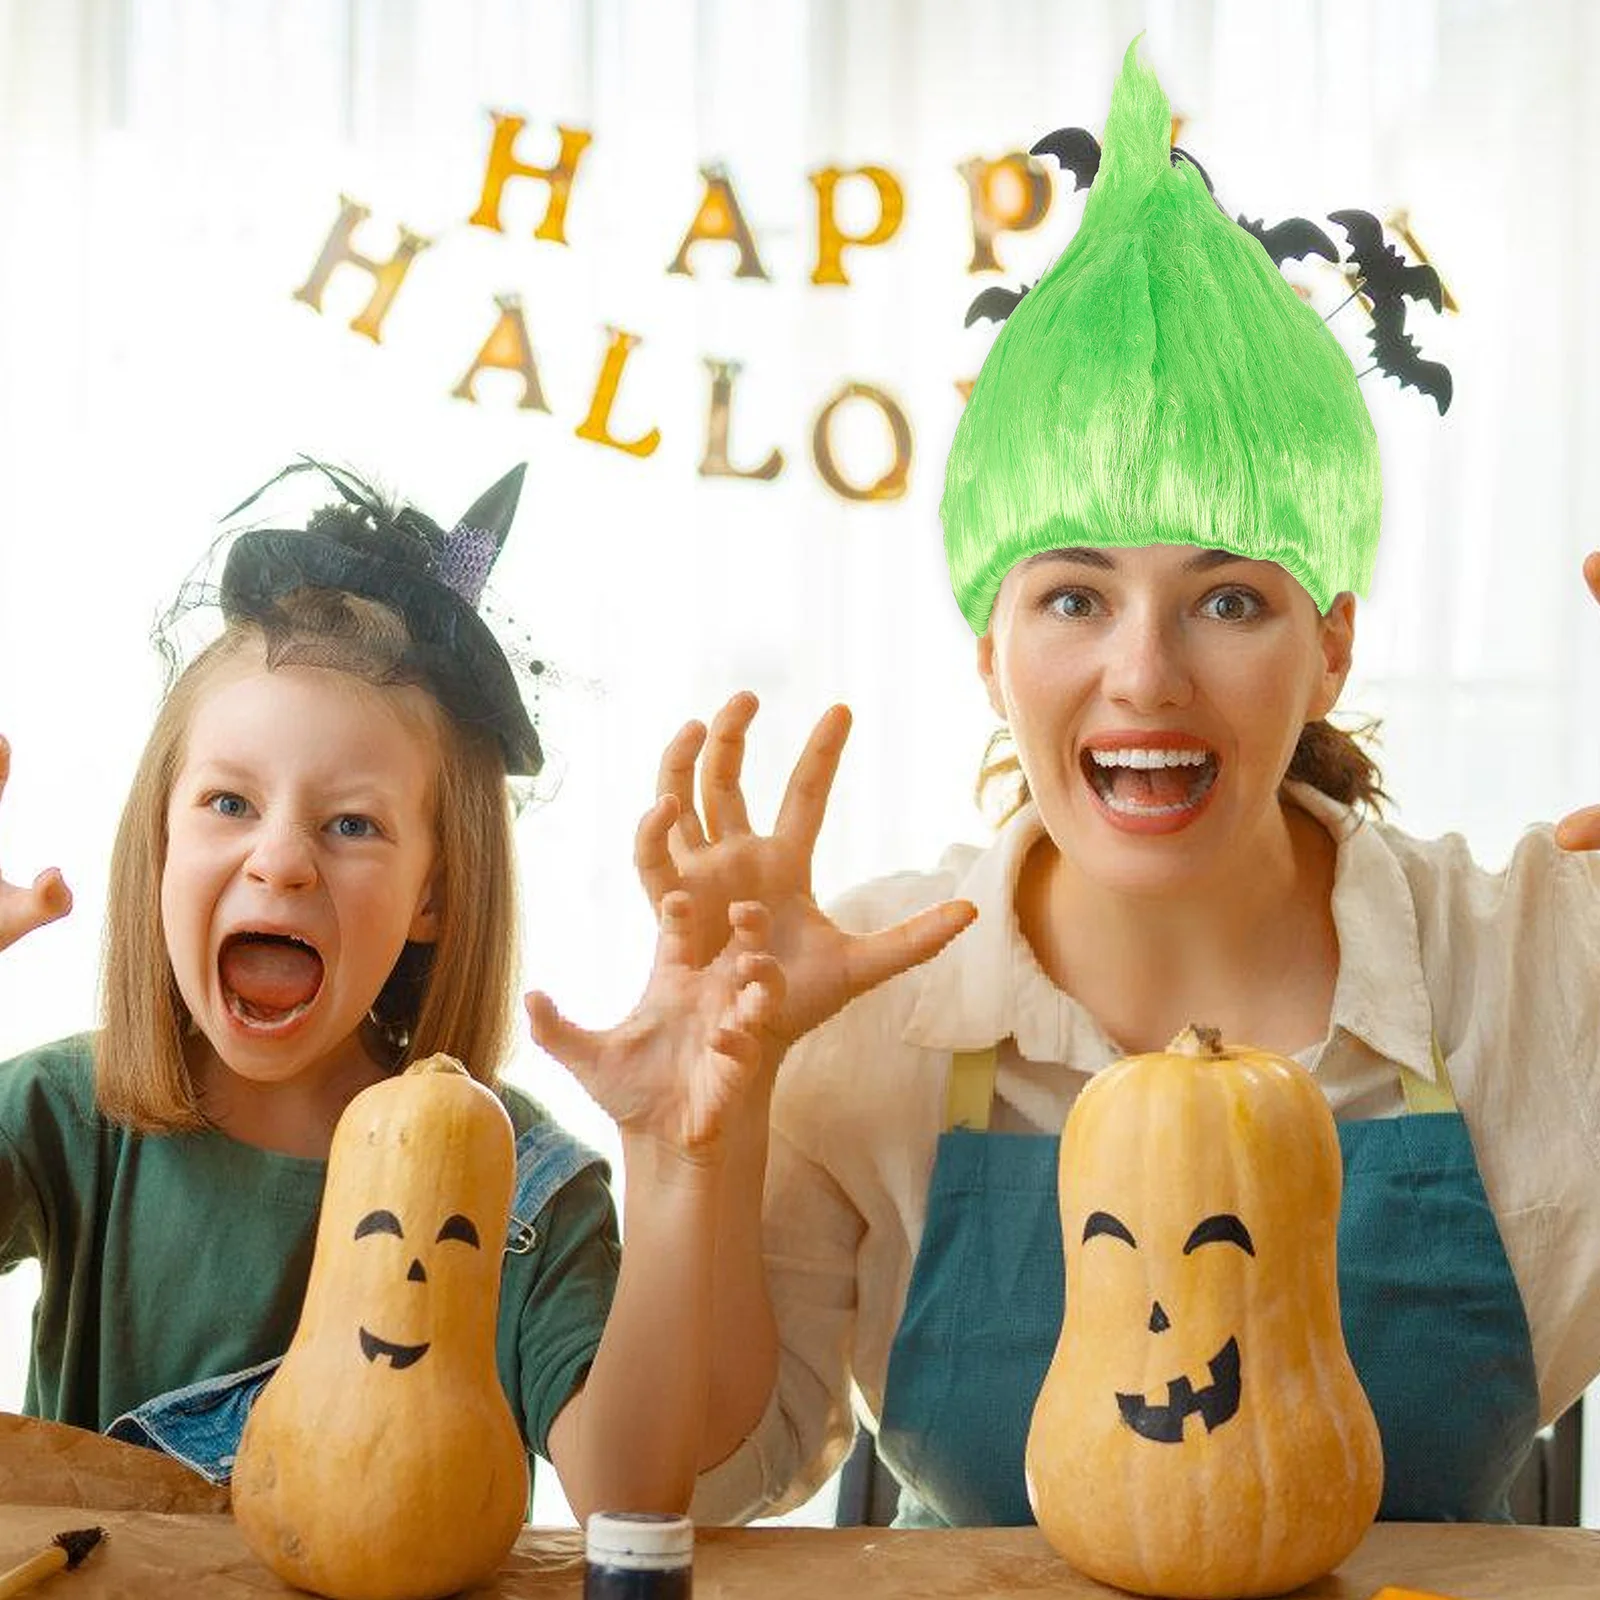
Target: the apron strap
pixel 971 1090
pixel 969 1096
pixel 1423 1097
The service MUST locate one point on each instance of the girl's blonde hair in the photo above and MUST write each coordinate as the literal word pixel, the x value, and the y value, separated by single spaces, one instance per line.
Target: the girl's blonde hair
pixel 1328 758
pixel 454 995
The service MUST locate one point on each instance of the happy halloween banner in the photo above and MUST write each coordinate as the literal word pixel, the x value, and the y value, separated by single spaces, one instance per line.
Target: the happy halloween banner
pixel 1010 193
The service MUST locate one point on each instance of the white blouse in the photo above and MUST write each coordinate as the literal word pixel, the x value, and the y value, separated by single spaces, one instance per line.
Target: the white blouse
pixel 1504 967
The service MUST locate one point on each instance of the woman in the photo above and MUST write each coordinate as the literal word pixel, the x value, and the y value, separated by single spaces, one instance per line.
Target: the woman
pixel 1161 500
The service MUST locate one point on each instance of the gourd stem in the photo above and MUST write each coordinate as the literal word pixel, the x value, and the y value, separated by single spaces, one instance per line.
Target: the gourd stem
pixel 438 1063
pixel 1199 1041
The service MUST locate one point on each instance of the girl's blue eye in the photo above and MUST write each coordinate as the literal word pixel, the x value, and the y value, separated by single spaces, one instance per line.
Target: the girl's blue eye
pixel 228 805
pixel 350 826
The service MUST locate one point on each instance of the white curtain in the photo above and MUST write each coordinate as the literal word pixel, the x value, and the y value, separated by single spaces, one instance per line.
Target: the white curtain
pixel 169 171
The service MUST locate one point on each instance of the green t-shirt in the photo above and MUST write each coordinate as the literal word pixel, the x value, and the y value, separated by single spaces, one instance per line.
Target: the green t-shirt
pixel 170 1259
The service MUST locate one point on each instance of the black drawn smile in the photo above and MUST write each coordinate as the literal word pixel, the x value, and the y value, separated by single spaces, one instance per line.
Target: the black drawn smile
pixel 400 1355
pixel 1216 1402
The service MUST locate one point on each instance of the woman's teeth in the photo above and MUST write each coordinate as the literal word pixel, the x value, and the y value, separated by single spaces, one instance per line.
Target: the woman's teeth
pixel 1151 783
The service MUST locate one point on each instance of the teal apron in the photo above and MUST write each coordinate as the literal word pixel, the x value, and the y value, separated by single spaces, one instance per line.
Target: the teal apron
pixel 1432 1315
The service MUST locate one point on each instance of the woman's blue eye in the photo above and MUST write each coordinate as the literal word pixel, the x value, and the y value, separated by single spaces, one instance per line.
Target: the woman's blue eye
pixel 350 826
pixel 1071 602
pixel 228 805
pixel 1251 603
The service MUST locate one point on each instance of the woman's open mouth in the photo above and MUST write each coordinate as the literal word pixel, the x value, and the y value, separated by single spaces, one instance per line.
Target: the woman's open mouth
pixel 1151 785
pixel 269 980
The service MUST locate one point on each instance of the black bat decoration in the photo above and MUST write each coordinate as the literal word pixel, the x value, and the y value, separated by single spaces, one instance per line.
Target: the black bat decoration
pixel 1295 237
pixel 1076 151
pixel 1385 273
pixel 1178 152
pixel 1396 353
pixel 995 303
pixel 1388 280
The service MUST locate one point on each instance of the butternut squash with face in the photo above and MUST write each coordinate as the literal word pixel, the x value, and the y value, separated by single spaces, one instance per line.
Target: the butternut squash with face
pixel 382 1462
pixel 1201 1431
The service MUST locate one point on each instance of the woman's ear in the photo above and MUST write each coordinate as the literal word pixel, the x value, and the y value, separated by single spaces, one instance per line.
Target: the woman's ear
pixel 1337 640
pixel 986 671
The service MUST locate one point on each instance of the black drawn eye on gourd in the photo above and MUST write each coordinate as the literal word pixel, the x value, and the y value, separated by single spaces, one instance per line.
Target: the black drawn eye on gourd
pixel 1099 1222
pixel 458 1227
pixel 1223 1228
pixel 379 1222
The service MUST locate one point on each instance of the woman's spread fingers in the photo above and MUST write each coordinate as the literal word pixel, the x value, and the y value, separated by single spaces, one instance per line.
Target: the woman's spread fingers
pixel 723 763
pixel 875 957
pixel 805 800
pixel 652 850
pixel 676 777
pixel 675 941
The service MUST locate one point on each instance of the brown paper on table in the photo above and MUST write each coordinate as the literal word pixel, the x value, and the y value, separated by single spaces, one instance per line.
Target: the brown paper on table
pixel 153 1556
pixel 48 1463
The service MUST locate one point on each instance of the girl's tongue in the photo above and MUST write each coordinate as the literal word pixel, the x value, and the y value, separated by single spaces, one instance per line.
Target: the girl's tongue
pixel 270 975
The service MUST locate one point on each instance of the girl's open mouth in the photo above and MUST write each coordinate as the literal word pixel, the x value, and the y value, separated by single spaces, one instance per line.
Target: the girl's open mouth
pixel 1150 785
pixel 269 980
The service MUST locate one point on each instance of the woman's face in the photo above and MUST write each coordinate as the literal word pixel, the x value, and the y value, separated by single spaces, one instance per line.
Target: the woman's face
pixel 1156 696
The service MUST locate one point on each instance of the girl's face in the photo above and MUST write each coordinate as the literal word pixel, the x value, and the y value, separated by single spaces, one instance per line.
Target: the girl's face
pixel 300 854
pixel 1156 696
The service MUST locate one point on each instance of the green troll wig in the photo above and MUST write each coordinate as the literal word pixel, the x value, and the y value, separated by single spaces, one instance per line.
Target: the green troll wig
pixel 1162 384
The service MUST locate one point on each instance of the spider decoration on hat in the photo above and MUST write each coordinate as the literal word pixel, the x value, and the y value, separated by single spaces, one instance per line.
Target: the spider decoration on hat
pixel 1382 275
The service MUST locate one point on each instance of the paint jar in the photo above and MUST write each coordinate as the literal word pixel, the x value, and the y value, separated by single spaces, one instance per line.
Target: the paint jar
pixel 638 1555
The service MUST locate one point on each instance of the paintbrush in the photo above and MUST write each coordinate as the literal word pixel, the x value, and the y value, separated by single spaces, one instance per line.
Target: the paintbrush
pixel 65 1551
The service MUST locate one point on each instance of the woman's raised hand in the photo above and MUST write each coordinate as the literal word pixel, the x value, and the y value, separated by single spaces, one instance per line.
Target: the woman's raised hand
pixel 716 859
pixel 46 899
pixel 678 1064
pixel 1580 830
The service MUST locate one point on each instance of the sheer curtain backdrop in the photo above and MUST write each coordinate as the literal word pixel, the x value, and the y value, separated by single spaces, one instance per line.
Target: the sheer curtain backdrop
pixel 170 170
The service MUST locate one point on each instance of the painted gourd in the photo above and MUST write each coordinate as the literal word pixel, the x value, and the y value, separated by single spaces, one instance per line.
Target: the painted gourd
pixel 382 1462
pixel 1201 1431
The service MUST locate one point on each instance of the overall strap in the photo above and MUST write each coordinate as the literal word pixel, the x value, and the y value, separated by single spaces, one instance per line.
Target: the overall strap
pixel 971 1090
pixel 1423 1097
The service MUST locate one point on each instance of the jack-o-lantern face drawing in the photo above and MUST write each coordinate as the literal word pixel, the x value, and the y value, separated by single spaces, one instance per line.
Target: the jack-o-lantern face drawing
pixel 1201 1399
pixel 454 1227
pixel 1214 1402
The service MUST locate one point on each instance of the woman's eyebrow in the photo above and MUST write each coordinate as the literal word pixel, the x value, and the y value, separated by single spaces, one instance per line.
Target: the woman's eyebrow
pixel 1081 556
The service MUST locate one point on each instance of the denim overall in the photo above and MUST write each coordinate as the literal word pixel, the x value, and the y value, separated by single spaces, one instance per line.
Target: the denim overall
pixel 1432 1317
pixel 200 1424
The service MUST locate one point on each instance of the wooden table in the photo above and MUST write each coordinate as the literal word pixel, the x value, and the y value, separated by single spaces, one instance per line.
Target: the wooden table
pixel 169 1555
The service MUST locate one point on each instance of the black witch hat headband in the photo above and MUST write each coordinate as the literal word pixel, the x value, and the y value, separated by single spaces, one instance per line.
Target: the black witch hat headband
pixel 434 579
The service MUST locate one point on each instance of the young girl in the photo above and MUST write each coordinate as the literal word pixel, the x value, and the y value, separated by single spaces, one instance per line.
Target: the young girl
pixel 1160 497
pixel 311 886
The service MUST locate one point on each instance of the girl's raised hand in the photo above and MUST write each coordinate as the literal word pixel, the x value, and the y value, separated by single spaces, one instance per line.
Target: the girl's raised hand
pixel 1580 830
pixel 46 899
pixel 676 1066
pixel 718 859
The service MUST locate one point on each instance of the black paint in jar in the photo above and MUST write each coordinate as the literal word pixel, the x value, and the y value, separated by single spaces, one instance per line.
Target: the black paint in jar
pixel 638 1555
